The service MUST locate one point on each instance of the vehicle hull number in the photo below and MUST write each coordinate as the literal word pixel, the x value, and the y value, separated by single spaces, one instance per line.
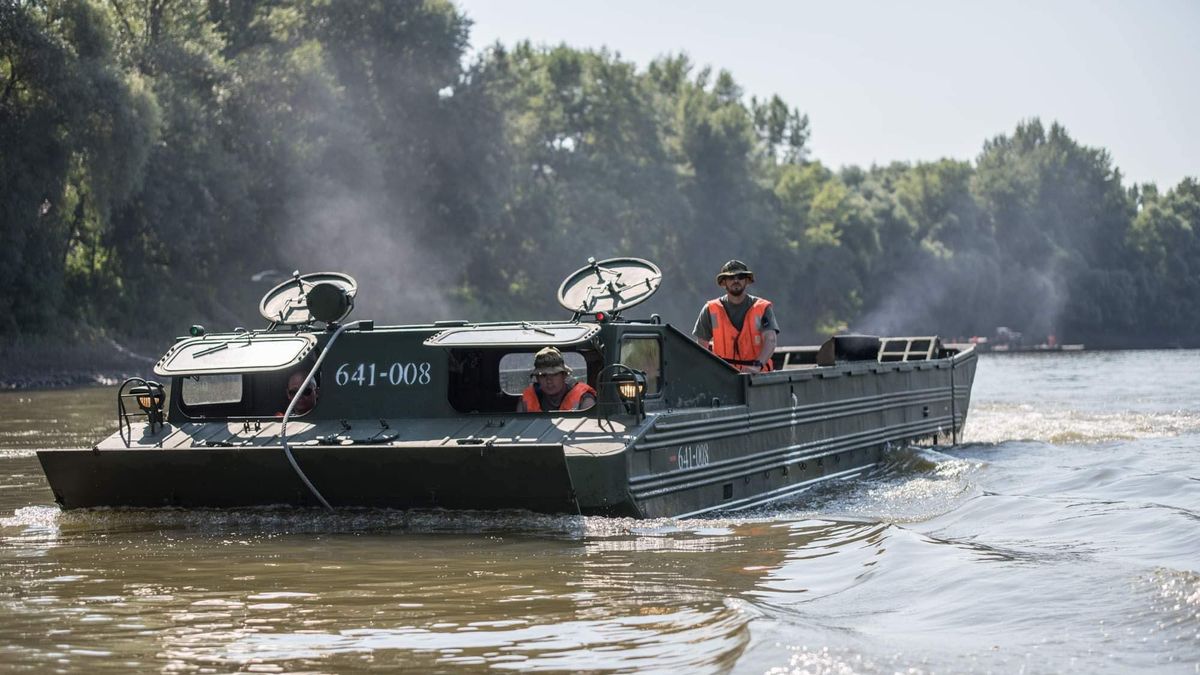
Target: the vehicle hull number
pixel 399 374
pixel 691 456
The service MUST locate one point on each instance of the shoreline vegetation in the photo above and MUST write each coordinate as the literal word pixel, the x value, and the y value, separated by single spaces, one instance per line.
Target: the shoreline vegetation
pixel 166 163
pixel 58 362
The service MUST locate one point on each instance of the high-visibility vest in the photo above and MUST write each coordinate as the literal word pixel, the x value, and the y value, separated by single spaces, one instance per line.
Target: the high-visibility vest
pixel 569 402
pixel 733 345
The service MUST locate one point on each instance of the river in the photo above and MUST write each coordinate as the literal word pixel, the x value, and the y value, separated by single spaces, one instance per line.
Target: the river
pixel 1063 535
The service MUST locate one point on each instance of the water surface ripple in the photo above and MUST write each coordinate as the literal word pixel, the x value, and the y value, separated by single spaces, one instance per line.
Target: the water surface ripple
pixel 1062 536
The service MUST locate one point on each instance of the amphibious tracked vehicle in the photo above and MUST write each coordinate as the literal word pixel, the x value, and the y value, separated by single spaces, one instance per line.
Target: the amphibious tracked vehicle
pixel 423 416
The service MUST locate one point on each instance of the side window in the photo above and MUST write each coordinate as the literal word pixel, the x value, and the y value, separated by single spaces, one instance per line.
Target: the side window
pixel 644 352
pixel 515 368
pixel 211 389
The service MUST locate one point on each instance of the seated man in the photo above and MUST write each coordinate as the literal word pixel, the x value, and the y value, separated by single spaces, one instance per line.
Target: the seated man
pixel 553 388
pixel 308 398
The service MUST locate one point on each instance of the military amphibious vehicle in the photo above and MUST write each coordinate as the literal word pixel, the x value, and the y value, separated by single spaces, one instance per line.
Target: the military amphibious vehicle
pixel 423 416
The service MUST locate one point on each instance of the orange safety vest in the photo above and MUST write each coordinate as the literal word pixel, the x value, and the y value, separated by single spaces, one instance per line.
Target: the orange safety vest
pixel 734 345
pixel 569 402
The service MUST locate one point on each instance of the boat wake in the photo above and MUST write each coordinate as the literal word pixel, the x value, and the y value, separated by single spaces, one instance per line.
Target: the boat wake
pixel 274 521
pixel 1001 422
pixel 912 484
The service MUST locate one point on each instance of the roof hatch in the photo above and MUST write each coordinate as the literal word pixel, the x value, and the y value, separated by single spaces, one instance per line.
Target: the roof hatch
pixel 239 353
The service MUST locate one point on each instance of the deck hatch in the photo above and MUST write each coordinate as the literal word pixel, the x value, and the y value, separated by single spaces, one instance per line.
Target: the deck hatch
pixel 515 335
pixel 243 353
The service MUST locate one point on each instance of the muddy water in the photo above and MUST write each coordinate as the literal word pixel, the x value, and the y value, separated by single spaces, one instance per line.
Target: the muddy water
pixel 1064 535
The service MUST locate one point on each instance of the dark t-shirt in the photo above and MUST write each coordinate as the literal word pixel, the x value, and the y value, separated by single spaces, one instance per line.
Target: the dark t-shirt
pixel 737 316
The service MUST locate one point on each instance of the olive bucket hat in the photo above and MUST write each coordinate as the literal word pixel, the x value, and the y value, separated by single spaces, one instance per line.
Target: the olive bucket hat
pixel 734 268
pixel 548 362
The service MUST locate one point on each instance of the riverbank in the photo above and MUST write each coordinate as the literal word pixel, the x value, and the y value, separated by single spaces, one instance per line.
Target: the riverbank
pixel 52 362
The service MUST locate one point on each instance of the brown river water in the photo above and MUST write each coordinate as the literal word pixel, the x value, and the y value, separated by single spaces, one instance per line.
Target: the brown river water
pixel 1062 536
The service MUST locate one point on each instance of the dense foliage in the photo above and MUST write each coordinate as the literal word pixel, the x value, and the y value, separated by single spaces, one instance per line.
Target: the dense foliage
pixel 163 161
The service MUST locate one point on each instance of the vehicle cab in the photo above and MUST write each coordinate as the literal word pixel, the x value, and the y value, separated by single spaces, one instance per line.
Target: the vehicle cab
pixel 357 370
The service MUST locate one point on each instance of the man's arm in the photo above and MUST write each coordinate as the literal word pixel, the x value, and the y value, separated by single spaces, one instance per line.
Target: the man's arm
pixel 702 331
pixel 770 340
pixel 770 335
pixel 586 401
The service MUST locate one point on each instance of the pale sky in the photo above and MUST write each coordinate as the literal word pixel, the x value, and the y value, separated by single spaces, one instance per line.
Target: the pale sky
pixel 884 81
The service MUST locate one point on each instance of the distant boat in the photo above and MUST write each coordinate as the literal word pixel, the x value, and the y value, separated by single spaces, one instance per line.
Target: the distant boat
pixel 1001 347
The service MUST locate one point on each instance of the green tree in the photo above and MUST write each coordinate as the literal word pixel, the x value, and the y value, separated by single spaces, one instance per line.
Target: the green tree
pixel 75 133
pixel 783 132
pixel 1165 238
pixel 1059 214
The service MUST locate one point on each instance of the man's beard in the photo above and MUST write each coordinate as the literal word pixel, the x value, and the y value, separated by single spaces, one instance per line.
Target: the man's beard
pixel 735 293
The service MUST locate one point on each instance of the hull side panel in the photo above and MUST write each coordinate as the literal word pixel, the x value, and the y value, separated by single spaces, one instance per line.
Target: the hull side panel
pixel 799 428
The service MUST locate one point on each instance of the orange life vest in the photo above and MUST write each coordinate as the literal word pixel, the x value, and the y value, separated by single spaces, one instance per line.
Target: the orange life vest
pixel 569 402
pixel 733 345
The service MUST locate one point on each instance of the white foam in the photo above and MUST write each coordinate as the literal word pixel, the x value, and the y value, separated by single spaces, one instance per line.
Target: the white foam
pixel 1000 422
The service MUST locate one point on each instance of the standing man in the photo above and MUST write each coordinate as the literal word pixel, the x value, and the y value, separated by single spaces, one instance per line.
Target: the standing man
pixel 737 326
pixel 552 387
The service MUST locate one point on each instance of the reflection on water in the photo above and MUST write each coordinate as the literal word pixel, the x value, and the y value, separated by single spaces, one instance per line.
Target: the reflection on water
pixel 56 418
pixel 1061 537
pixel 184 592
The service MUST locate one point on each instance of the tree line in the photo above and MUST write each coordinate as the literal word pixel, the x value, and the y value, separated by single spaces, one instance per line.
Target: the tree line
pixel 167 161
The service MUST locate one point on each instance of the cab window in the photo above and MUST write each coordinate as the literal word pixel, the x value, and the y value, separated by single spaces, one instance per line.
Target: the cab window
pixel 204 390
pixel 644 353
pixel 237 395
pixel 515 369
pixel 490 380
